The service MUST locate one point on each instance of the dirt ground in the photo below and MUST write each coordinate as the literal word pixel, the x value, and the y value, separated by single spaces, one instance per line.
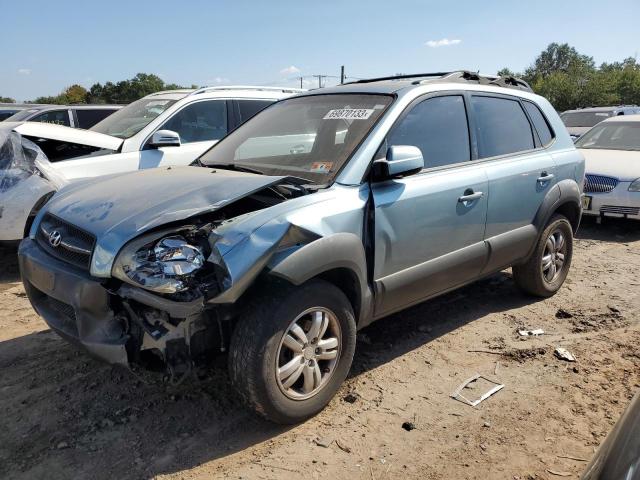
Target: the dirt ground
pixel 64 415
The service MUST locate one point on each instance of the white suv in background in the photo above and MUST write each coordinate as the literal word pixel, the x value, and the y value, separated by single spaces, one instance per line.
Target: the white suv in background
pixel 161 129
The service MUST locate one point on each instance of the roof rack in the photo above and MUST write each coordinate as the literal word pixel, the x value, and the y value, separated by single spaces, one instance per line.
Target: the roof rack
pixel 505 81
pixel 186 91
pixel 248 87
pixel 457 76
pixel 399 77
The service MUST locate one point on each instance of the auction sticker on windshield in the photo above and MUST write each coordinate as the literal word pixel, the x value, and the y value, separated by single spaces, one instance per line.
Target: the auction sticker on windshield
pixel 348 114
pixel 321 167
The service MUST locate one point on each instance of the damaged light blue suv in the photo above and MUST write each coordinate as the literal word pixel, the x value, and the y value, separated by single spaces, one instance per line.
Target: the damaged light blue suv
pixel 323 213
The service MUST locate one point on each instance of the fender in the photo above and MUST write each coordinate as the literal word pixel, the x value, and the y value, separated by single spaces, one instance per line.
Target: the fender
pixel 564 193
pixel 340 250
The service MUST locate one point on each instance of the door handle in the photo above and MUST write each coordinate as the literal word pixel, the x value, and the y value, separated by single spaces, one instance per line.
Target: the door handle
pixel 545 177
pixel 470 196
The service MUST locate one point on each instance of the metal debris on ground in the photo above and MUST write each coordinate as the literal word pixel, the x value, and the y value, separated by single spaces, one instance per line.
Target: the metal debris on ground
pixel 531 333
pixel 457 394
pixel 564 354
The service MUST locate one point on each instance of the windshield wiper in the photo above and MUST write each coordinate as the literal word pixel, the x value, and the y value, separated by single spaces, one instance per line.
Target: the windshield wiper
pixel 233 166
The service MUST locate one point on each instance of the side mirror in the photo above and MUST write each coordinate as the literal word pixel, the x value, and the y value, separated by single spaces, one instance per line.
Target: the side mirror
pixel 165 138
pixel 401 160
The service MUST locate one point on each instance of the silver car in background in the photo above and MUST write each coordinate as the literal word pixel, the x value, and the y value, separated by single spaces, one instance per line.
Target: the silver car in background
pixel 581 120
pixel 612 163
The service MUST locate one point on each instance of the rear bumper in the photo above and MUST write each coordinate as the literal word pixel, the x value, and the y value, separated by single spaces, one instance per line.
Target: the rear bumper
pixel 619 202
pixel 73 304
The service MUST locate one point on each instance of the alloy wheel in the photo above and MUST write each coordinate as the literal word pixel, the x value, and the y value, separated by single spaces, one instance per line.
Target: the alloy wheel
pixel 308 353
pixel 553 257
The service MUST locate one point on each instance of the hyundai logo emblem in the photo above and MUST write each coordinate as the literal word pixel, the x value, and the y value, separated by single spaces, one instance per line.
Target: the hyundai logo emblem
pixel 55 238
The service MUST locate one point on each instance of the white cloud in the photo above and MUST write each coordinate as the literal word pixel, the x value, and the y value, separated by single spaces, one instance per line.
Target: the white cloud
pixel 444 42
pixel 292 70
pixel 24 71
pixel 218 80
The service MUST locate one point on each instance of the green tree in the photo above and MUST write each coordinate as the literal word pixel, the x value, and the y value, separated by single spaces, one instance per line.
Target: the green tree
pixel 7 100
pixel 127 91
pixel 505 72
pixel 559 58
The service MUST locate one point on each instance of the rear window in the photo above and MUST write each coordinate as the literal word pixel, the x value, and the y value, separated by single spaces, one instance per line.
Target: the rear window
pixel 88 118
pixel 539 122
pixel 501 126
pixel 4 114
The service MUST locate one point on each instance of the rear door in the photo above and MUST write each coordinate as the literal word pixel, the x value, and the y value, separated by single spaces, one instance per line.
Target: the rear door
pixel 519 169
pixel 200 125
pixel 428 236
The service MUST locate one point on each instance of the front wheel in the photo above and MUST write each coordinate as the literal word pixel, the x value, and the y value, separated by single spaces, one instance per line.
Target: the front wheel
pixel 547 268
pixel 292 349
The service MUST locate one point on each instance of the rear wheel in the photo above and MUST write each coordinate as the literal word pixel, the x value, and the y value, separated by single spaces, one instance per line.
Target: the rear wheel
pixel 292 349
pixel 547 268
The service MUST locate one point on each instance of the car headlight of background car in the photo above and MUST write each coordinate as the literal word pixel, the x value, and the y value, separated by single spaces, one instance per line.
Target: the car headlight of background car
pixel 162 262
pixel 635 185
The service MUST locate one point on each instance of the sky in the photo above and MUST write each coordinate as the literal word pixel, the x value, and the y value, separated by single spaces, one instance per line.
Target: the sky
pixel 48 45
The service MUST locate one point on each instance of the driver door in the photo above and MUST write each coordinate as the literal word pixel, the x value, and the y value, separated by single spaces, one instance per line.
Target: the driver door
pixel 200 125
pixel 429 227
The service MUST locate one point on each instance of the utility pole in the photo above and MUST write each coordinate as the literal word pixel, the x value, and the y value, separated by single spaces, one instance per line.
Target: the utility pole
pixel 320 77
pixel 341 74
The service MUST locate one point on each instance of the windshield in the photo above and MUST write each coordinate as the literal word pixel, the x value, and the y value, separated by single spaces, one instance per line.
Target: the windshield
pixel 584 119
pixel 612 136
pixel 308 137
pixel 129 120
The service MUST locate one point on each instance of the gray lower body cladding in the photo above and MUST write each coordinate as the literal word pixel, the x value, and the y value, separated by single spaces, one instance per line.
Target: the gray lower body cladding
pixel 114 327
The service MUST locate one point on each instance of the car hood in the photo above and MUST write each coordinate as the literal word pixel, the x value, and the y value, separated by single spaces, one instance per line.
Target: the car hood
pixel 67 134
pixel 120 207
pixel 621 164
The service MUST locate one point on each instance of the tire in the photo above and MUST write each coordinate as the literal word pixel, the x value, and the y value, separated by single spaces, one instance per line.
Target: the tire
pixel 531 277
pixel 259 350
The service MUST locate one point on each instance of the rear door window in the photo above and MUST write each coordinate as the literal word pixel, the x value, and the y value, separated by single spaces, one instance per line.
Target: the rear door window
pixel 501 126
pixel 88 118
pixel 438 127
pixel 539 122
pixel 57 117
pixel 248 108
pixel 200 121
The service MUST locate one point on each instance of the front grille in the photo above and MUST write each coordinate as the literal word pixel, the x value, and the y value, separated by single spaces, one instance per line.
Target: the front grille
pixel 75 246
pixel 620 210
pixel 599 184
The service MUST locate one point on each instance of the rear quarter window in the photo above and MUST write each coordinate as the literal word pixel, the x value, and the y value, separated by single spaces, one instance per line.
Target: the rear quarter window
pixel 501 126
pixel 539 122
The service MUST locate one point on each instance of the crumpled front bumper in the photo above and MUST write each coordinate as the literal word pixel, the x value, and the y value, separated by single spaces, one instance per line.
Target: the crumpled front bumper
pixel 73 304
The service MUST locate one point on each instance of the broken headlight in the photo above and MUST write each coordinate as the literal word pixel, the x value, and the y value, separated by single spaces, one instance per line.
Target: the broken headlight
pixel 162 266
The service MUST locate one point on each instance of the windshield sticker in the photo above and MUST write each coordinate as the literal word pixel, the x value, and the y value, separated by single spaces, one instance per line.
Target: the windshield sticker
pixel 602 114
pixel 321 167
pixel 348 114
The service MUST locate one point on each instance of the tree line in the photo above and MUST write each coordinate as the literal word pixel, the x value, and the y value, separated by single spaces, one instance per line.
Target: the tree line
pixel 567 78
pixel 122 92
